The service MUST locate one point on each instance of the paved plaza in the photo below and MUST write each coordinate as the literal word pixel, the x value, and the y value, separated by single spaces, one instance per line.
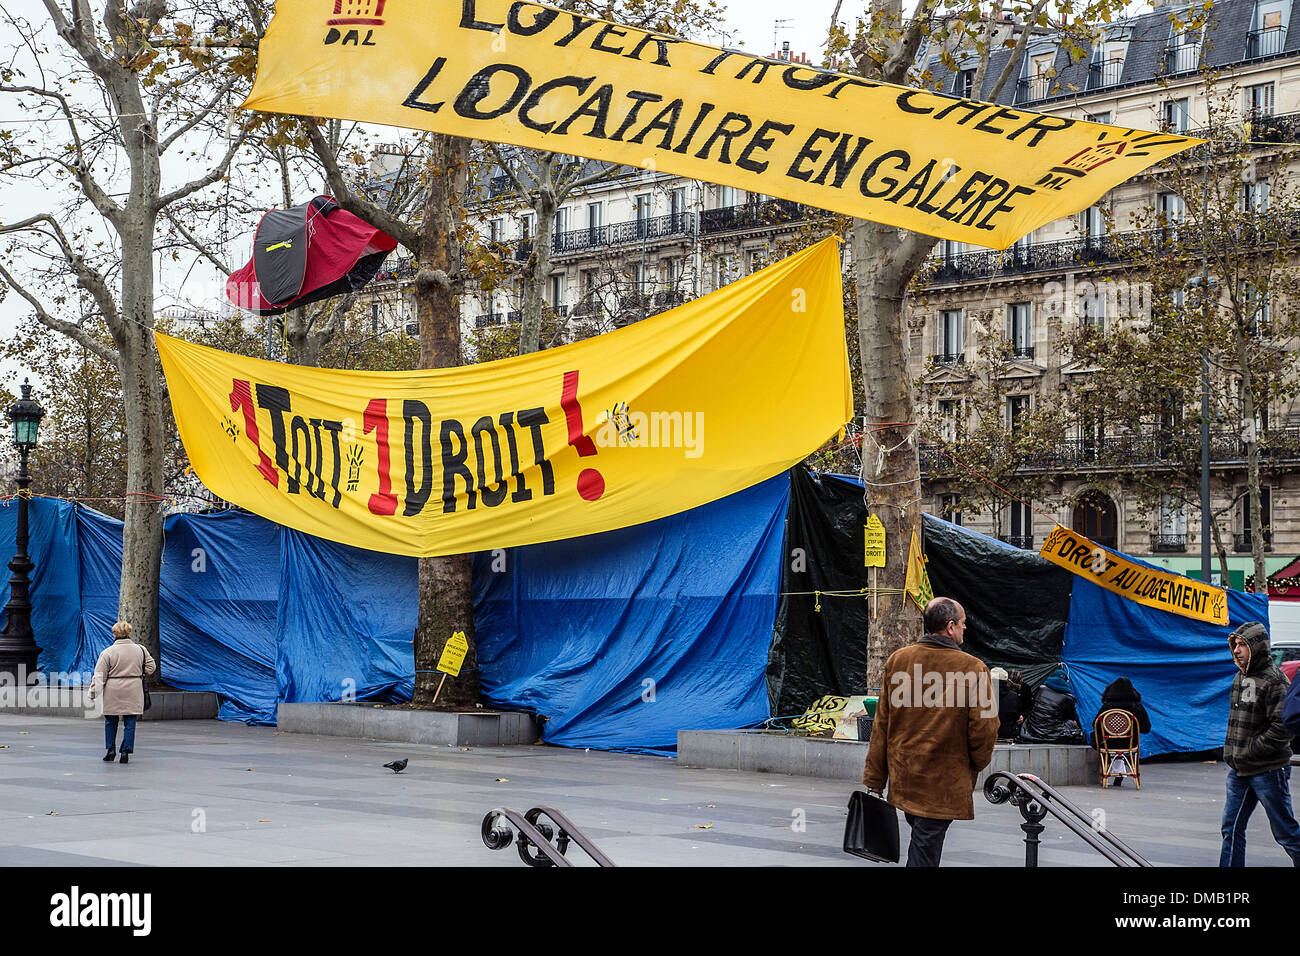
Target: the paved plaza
pixel 203 792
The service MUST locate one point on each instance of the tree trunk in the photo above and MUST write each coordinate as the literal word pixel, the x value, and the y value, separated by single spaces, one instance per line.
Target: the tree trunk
pixel 142 403
pixel 891 468
pixel 445 584
pixel 538 268
pixel 1251 441
pixel 1220 550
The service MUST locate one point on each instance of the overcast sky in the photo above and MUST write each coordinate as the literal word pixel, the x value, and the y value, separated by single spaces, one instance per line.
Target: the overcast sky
pixel 804 24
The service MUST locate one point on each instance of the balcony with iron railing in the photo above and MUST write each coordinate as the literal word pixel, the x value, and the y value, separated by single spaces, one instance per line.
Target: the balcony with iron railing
pixel 1066 255
pixel 1118 452
pixel 622 233
pixel 1168 543
pixel 768 212
pixel 1180 58
pixel 1105 74
pixel 1025 541
pixel 1265 42
pixel 1244 542
pixel 1023 352
pixel 1033 88
pixel 949 358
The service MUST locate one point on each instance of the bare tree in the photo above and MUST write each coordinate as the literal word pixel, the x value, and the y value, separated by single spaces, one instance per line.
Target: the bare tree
pixel 118 104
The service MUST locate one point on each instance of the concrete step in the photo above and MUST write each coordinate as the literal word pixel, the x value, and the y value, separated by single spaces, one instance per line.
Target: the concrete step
pixel 74 702
pixel 468 729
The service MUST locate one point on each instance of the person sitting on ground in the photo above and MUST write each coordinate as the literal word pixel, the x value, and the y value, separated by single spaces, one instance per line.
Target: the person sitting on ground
pixel 1120 694
pixel 1011 706
pixel 1052 717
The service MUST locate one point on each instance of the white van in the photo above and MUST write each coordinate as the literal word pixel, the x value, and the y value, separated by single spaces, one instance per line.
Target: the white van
pixel 1284 630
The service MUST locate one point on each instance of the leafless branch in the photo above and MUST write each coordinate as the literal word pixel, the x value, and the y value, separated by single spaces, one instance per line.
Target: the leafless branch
pixel 212 175
pixel 373 213
pixel 197 244
pixel 75 332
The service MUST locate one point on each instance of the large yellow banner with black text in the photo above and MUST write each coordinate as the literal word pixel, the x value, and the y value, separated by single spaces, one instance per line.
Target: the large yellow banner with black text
pixel 534 76
pixel 643 422
pixel 1158 589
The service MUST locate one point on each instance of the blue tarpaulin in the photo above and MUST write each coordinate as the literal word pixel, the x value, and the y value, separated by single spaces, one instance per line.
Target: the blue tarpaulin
pixel 623 638
pixel 619 639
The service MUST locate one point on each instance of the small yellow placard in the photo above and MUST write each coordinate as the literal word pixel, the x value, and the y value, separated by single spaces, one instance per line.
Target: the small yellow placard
pixel 875 543
pixel 453 655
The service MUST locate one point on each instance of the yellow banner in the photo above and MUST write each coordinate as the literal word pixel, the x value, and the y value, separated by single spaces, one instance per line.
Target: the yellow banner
pixel 1159 589
pixel 531 75
pixel 643 422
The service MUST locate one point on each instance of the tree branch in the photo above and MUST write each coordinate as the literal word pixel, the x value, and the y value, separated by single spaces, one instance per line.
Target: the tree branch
pixel 198 117
pixel 371 212
pixel 212 175
pixel 74 332
pixel 1017 54
pixel 88 278
pixel 196 244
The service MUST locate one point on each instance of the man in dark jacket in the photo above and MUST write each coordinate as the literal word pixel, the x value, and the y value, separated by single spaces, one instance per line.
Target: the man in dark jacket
pixel 934 731
pixel 1257 749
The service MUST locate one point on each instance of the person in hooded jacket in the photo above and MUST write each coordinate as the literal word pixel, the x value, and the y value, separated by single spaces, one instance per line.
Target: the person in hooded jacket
pixel 1257 749
pixel 1120 694
pixel 117 677
pixel 1052 718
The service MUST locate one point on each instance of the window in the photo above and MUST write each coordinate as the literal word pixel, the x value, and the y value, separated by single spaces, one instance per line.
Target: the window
pixel 1017 408
pixel 1107 63
pixel 557 290
pixel 1092 222
pixel 1245 539
pixel 1103 118
pixel 949 419
pixel 494 230
pixel 724 270
pixel 963 84
pixel 595 219
pixel 1268 29
pixel 526 224
pixel 950 336
pixel 1020 329
pixel 1259 100
pixel 1093 310
pixel 949 249
pixel 1036 78
pixel 726 197
pixel 672 272
pixel 1021 525
pixel 1171 533
pixel 756 260
pixel 641 207
pixel 950 508
pixel 1254 309
pixel 1183 51
pixel 1092 433
pixel 1171 211
pixel 677 207
pixel 561 221
pixel 1254 197
pixel 1175 115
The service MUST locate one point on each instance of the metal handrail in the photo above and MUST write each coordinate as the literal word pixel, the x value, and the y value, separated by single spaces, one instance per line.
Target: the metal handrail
pixel 536 836
pixel 1035 800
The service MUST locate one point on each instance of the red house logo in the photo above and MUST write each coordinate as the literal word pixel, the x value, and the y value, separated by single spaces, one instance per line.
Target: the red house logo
pixel 363 12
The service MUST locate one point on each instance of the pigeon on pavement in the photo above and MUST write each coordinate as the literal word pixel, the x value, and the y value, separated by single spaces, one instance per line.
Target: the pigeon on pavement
pixel 397 766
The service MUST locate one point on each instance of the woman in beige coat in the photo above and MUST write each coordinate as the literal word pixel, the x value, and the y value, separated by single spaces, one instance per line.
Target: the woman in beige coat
pixel 117 677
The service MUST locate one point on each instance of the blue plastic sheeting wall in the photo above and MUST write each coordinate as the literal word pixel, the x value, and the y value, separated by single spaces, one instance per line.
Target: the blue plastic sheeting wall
pixel 572 630
pixel 346 621
pixel 623 638
pixel 1181 667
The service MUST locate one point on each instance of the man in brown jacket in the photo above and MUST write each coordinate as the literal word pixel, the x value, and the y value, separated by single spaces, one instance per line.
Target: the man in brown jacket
pixel 935 727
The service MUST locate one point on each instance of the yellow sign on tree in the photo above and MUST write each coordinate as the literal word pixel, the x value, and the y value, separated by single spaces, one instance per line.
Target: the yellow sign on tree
pixel 453 655
pixel 875 542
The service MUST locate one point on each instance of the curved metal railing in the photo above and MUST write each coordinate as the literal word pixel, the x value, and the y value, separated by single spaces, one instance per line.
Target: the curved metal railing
pixel 1036 799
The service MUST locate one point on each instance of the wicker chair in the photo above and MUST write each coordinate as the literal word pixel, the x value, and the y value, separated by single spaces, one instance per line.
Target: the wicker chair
pixel 1117 737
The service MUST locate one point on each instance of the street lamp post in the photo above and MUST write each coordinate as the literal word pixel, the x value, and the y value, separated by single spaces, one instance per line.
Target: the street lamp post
pixel 18 649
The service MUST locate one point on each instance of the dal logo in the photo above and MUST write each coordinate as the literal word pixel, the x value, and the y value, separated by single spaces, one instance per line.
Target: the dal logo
pixel 354 13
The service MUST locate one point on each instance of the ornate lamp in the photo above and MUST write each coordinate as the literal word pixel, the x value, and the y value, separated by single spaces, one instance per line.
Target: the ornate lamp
pixel 18 649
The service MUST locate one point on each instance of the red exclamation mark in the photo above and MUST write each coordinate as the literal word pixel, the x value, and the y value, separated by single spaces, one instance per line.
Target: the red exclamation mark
pixel 591 483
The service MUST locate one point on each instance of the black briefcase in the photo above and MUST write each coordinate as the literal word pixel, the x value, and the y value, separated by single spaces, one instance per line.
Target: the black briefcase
pixel 871 830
